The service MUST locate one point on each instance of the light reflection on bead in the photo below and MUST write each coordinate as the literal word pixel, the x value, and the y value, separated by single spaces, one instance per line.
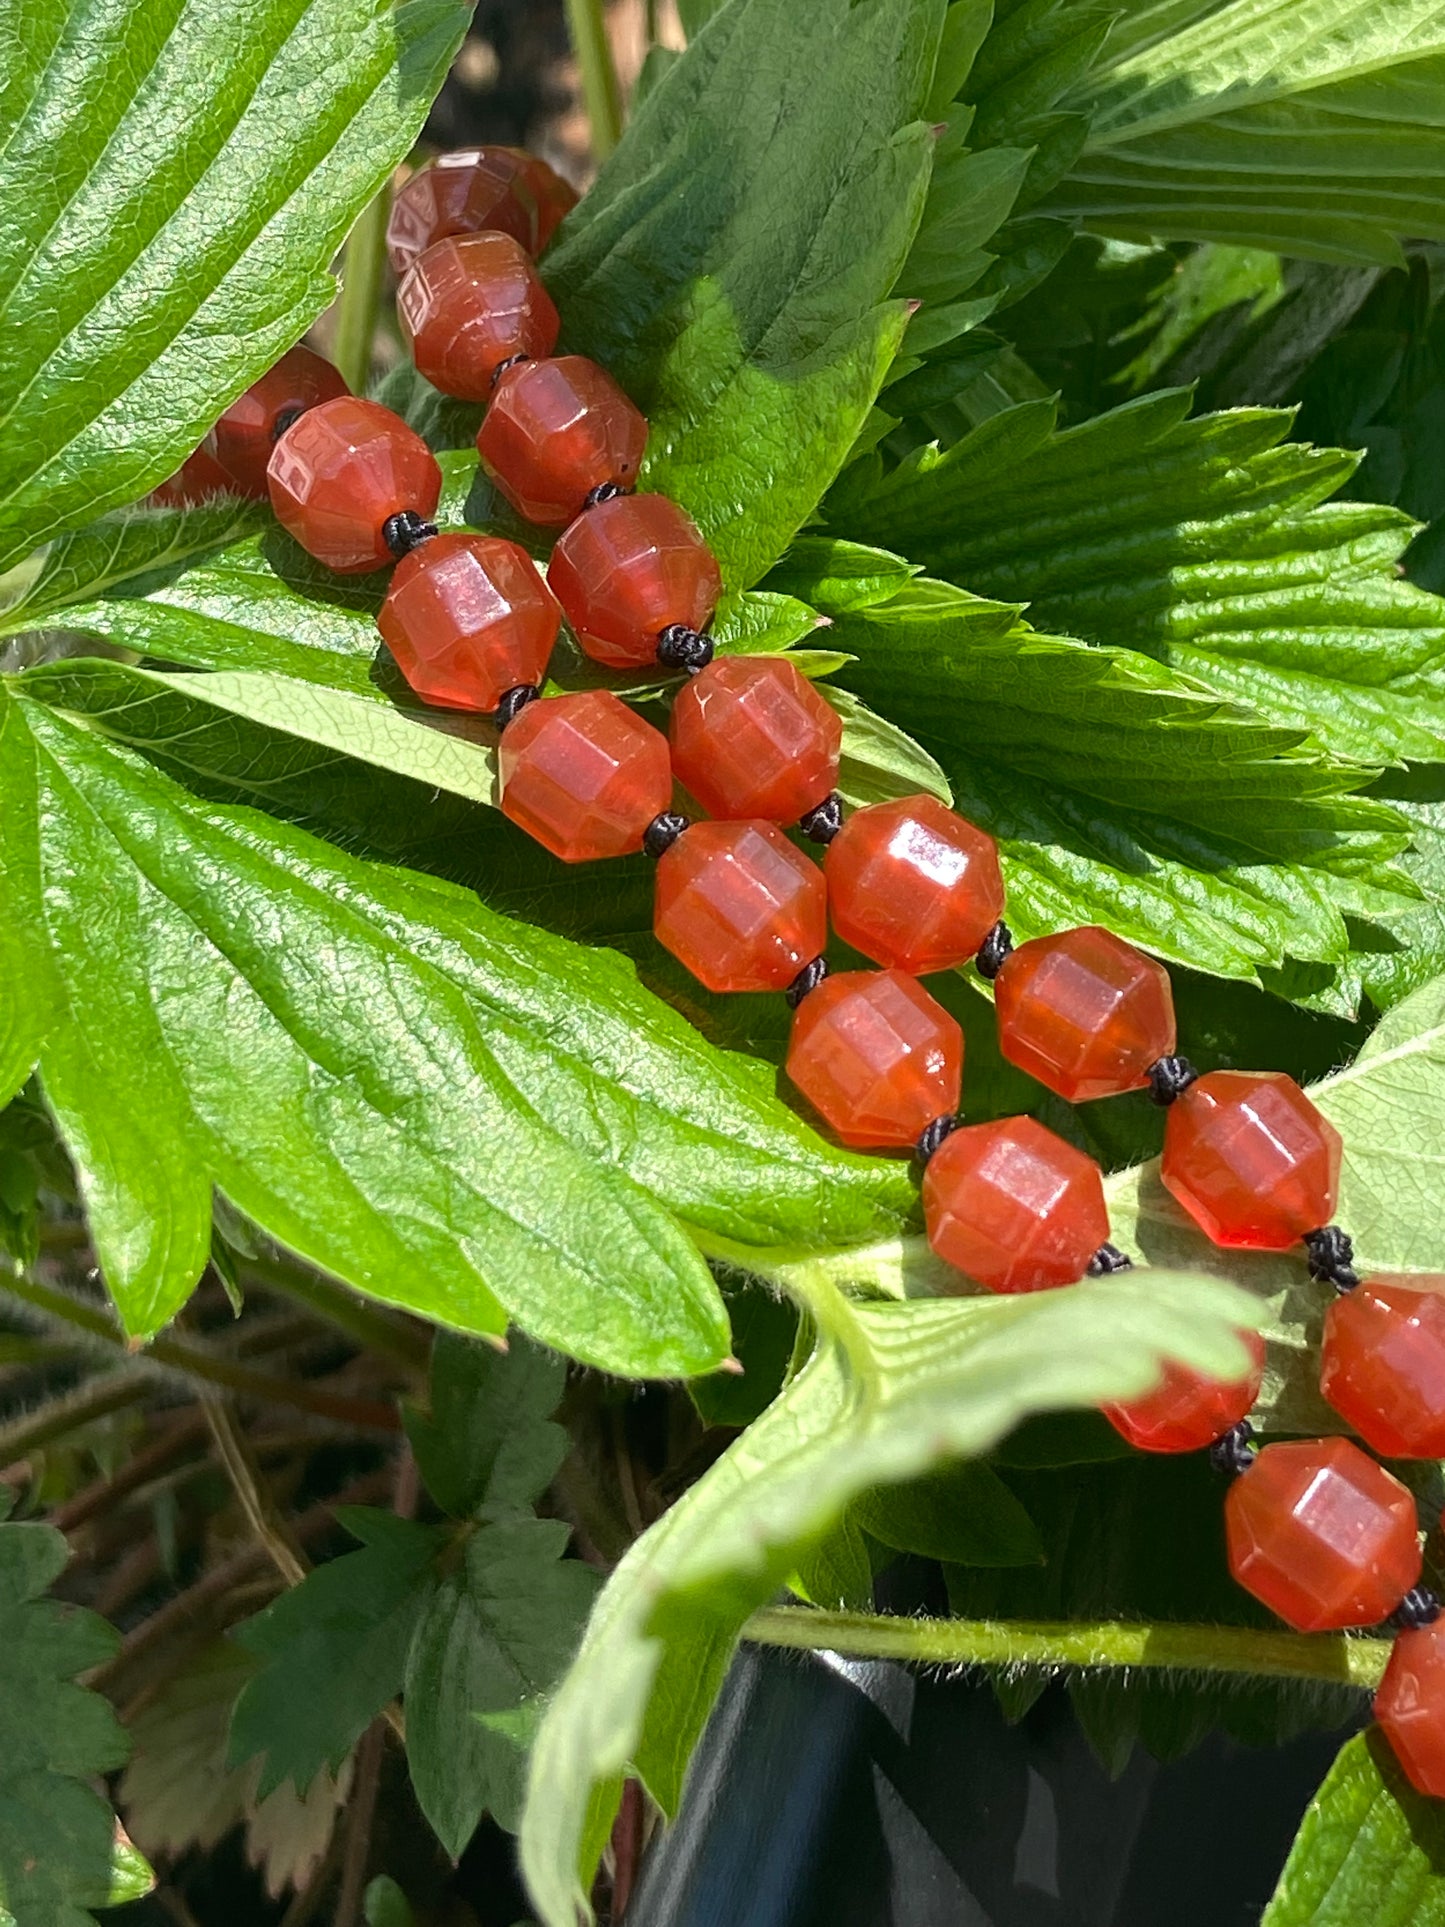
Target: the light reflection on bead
pixel 739 906
pixel 876 1057
pixel 913 885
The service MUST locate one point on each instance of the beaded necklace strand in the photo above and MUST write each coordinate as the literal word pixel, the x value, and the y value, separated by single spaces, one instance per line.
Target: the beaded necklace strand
pixel 1316 1529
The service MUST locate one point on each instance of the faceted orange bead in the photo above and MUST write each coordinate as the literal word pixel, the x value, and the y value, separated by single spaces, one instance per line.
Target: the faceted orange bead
pixel 1013 1207
pixel 1084 1012
pixel 751 736
pixel 1382 1364
pixel 1249 1157
pixel 1322 1535
pixel 555 431
pixel 555 197
pixel 1410 1706
pixel 912 885
pixel 627 570
pixel 242 440
pixel 198 478
pixel 584 774
pixel 339 474
pixel 468 618
pixel 740 906
pixel 876 1056
pixel 470 303
pixel 462 193
pixel 1188 1411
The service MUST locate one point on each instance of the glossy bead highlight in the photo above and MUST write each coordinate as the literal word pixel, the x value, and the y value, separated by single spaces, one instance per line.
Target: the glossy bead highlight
pixel 340 473
pixel 1410 1706
pixel 1084 1012
pixel 913 885
pixel 739 906
pixel 468 304
pixel 1251 1159
pixel 1382 1364
pixel 1188 1411
pixel 242 440
pixel 463 193
pixel 876 1057
pixel 557 430
pixel 751 736
pixel 628 569
pixel 1322 1535
pixel 584 775
pixel 467 618
pixel 1013 1207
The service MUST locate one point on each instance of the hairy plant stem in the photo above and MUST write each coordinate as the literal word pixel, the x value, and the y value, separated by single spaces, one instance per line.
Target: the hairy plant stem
pixel 96 1398
pixel 359 302
pixel 587 20
pixel 361 1811
pixel 1332 1658
pixel 376 1330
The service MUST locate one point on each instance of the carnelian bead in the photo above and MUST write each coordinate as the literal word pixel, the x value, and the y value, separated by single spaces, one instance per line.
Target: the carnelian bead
pixel 876 1056
pixel 751 736
pixel 1084 1012
pixel 557 430
pixel 1188 1411
pixel 584 774
pixel 462 193
pixel 555 197
pixel 1322 1535
pixel 740 906
pixel 1251 1159
pixel 242 440
pixel 912 885
pixel 468 618
pixel 628 569
pixel 199 477
pixel 1382 1364
pixel 340 473
pixel 1014 1207
pixel 1410 1706
pixel 468 304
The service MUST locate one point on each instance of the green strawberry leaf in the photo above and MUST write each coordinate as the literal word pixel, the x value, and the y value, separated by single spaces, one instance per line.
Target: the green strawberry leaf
pixel 488 1437
pixel 175 190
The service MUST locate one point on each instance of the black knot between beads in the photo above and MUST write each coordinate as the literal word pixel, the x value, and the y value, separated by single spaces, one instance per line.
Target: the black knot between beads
pixel 604 492
pixel 1234 1452
pixel 512 361
pixel 679 647
pixel 1170 1077
pixel 286 418
pixel 405 531
pixel 932 1136
pixel 823 822
pixel 993 952
pixel 1420 1607
pixel 1109 1258
pixel 513 702
pixel 1332 1257
pixel 808 978
pixel 663 831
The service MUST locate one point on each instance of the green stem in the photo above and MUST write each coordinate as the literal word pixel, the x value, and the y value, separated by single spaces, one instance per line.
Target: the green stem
pixel 359 302
pixel 97 1398
pixel 1332 1658
pixel 808 1282
pixel 651 19
pixel 588 23
pixel 373 1330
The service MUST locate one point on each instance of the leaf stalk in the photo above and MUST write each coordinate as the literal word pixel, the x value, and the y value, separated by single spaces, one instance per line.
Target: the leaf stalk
pixel 587 22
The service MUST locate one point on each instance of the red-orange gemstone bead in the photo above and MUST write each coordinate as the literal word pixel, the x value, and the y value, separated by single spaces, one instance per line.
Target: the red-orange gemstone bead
pixel 627 570
pixel 1410 1706
pixel 912 885
pixel 462 193
pixel 242 440
pixel 339 474
pixel 876 1057
pixel 1249 1157
pixel 1084 1012
pixel 555 197
pixel 198 478
pixel 740 906
pixel 1382 1364
pixel 1014 1207
pixel 1188 1411
pixel 584 774
pixel 751 736
pixel 1322 1535
pixel 468 304
pixel 555 431
pixel 468 618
